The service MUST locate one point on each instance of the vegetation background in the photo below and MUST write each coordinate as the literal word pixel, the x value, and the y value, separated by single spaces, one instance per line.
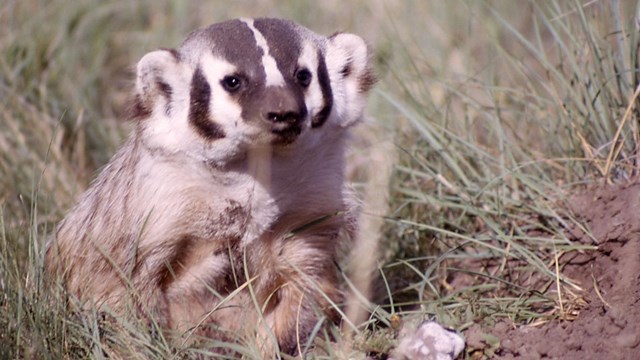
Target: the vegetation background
pixel 493 113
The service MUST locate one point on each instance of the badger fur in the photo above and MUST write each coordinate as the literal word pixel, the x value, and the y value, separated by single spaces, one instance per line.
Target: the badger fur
pixel 231 184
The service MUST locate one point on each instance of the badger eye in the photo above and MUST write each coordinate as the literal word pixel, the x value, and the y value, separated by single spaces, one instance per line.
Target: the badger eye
pixel 303 77
pixel 231 83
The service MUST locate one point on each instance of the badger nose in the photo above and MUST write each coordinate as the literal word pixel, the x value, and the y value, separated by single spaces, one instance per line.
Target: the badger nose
pixel 283 106
pixel 286 117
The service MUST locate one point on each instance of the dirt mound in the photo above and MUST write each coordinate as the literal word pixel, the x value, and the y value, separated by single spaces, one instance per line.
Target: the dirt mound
pixel 608 327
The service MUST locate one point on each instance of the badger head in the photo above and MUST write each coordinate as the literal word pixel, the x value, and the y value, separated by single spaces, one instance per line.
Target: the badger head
pixel 248 83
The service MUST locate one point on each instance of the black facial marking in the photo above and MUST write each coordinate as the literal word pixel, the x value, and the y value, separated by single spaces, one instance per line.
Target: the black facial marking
pixel 325 86
pixel 200 96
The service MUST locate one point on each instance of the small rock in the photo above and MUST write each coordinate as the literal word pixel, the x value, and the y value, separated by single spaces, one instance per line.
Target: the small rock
pixel 430 341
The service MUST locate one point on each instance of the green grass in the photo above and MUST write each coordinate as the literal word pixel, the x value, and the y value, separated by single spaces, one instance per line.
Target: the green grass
pixel 493 113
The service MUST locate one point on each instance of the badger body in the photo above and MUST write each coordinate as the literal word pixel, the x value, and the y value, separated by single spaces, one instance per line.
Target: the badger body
pixel 232 183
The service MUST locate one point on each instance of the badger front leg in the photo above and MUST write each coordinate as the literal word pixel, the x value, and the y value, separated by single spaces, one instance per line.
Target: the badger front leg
pixel 296 291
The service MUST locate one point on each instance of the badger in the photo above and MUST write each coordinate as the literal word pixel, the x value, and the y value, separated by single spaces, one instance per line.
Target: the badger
pixel 229 195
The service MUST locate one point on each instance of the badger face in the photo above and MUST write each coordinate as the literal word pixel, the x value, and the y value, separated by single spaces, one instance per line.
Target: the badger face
pixel 248 83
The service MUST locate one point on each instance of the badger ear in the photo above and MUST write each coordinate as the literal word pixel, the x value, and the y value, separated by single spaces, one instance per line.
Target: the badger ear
pixel 351 76
pixel 158 75
pixel 349 52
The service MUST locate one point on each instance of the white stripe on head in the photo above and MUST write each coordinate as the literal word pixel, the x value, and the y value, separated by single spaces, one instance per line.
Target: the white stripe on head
pixel 274 77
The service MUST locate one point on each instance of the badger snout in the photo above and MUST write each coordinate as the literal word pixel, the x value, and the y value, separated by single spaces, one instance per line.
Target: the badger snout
pixel 284 111
pixel 288 117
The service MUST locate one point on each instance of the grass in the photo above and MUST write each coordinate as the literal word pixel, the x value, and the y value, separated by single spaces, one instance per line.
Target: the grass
pixel 492 112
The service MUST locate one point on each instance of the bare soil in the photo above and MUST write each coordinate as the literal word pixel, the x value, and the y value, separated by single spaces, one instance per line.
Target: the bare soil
pixel 608 326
